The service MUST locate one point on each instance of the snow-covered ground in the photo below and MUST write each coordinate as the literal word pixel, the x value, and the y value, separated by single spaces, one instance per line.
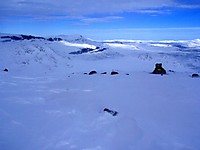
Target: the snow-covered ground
pixel 48 101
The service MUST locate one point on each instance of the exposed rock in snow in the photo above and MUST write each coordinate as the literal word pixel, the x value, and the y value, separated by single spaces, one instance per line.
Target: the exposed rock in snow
pixel 6 70
pixel 114 73
pixel 195 75
pixel 159 69
pixel 112 112
pixel 92 72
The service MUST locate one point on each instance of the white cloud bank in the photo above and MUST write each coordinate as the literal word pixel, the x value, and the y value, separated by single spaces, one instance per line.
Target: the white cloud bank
pixel 80 8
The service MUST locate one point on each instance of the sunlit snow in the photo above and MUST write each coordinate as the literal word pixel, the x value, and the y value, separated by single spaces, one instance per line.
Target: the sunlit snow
pixel 78 45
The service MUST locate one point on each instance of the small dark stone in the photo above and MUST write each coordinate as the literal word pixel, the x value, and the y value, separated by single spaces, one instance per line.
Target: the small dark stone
pixel 85 73
pixel 6 70
pixel 171 71
pixel 127 74
pixel 92 72
pixel 104 73
pixel 195 75
pixel 112 112
pixel 114 73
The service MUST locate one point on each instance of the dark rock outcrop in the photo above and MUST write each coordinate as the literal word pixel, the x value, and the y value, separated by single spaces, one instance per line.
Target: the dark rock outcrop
pixel 159 69
pixel 83 50
pixel 50 39
pixel 16 38
pixel 54 39
pixel 30 37
pixel 86 50
pixel 21 37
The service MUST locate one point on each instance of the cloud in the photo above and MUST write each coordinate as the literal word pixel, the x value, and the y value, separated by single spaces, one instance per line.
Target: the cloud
pixel 144 33
pixel 48 9
pixel 189 6
pixel 101 19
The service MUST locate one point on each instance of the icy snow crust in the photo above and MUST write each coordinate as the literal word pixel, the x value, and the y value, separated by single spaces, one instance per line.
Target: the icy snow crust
pixel 49 102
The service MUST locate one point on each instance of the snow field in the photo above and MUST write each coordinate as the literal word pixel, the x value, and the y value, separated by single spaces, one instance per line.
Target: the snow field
pixel 49 113
pixel 47 102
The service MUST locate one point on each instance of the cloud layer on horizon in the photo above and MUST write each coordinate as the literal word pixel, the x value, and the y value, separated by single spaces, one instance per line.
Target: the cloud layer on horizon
pixel 66 9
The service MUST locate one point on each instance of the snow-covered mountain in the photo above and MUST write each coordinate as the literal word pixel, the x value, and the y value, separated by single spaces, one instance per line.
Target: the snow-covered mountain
pixel 21 52
pixel 57 93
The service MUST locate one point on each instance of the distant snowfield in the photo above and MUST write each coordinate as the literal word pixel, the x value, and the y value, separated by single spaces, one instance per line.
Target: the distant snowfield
pixel 78 45
pixel 125 46
pixel 49 102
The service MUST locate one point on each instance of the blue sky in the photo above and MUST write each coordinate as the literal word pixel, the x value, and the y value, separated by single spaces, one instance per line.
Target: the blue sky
pixel 103 19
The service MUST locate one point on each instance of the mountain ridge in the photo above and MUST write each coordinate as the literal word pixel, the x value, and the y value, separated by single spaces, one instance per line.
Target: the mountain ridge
pixel 25 51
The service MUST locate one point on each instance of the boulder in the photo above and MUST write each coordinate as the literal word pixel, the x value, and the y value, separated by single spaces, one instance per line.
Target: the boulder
pixel 6 70
pixel 104 73
pixel 159 69
pixel 92 72
pixel 114 73
pixel 195 75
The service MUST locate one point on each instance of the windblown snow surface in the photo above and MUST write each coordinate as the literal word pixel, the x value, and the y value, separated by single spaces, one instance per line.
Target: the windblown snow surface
pixel 48 100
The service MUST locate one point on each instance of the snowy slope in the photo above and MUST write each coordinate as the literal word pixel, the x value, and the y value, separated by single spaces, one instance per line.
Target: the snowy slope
pixel 48 100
